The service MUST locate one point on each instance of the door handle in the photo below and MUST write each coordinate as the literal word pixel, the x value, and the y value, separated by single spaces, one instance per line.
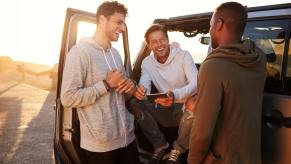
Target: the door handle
pixel 274 119
pixel 287 122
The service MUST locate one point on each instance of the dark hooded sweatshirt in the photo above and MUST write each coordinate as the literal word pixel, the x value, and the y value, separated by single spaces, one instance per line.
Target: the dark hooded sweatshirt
pixel 227 126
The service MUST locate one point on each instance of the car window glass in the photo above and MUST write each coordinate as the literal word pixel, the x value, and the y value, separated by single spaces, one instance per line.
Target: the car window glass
pixel 289 60
pixel 86 29
pixel 191 44
pixel 288 79
pixel 269 36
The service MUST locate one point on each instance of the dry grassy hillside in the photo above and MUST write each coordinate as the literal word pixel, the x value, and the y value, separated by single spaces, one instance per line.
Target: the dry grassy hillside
pixel 38 75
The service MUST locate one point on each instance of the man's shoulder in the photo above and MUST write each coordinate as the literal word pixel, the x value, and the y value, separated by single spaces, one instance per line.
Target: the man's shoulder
pixel 114 50
pixel 179 52
pixel 80 50
pixel 215 66
pixel 215 62
pixel 80 46
pixel 147 60
pixel 75 50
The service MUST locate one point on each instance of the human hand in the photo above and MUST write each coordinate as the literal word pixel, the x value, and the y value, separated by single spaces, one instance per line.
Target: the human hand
pixel 126 86
pixel 166 102
pixel 140 92
pixel 114 77
pixel 190 103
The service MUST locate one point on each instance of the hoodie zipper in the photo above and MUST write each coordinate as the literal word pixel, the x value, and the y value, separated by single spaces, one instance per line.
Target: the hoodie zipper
pixel 116 97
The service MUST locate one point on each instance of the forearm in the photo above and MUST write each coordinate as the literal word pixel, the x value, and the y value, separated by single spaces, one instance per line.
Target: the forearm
pixel 186 91
pixel 73 96
pixel 202 132
pixel 198 146
pixel 145 80
pixel 191 72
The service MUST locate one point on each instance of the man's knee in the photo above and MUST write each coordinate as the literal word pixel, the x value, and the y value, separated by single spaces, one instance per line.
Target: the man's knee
pixel 187 117
pixel 135 108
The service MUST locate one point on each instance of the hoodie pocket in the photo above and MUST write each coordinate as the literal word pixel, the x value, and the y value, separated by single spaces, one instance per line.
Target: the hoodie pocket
pixel 103 134
pixel 99 124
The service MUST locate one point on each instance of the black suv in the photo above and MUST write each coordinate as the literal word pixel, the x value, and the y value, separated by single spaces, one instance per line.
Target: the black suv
pixel 268 26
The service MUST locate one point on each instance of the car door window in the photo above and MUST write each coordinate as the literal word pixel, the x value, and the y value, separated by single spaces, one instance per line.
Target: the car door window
pixel 269 35
pixel 191 44
pixel 288 76
pixel 289 60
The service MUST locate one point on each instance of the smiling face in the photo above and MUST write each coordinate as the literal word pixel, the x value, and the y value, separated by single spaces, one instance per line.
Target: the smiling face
pixel 114 25
pixel 159 44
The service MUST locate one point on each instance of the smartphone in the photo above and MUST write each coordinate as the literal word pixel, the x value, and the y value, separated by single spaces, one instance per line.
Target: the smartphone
pixel 152 97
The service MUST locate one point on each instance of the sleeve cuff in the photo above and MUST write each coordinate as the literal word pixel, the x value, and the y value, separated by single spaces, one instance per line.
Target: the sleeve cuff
pixel 175 93
pixel 100 88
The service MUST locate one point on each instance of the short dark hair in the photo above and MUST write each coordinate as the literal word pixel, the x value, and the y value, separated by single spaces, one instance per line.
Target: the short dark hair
pixel 152 28
pixel 234 14
pixel 108 8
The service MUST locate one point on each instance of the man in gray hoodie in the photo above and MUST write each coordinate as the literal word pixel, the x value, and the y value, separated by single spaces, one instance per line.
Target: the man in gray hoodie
pixel 227 125
pixel 95 82
pixel 172 71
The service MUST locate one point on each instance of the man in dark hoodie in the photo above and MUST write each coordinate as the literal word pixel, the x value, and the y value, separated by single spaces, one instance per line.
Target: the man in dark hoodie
pixel 227 125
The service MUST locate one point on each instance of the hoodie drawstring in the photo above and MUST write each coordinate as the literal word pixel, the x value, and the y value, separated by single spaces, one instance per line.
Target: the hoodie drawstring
pixel 107 60
pixel 116 97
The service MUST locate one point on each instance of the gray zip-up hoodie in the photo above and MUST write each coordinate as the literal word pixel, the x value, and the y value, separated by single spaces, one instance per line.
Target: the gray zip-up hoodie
pixel 105 123
pixel 178 73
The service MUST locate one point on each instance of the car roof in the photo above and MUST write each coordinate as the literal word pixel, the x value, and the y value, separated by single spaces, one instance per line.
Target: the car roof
pixel 200 22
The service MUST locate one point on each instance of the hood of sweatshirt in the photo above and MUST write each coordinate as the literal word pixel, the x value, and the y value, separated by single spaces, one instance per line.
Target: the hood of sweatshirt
pixel 92 42
pixel 175 50
pixel 245 54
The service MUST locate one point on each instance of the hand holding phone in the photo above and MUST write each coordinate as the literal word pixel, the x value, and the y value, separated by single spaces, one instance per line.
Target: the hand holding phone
pixel 152 97
pixel 140 92
pixel 166 101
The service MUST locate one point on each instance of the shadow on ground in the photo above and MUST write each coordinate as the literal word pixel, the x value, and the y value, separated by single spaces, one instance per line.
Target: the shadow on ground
pixel 26 124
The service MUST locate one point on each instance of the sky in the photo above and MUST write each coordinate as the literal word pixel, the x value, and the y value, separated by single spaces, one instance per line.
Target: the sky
pixel 31 30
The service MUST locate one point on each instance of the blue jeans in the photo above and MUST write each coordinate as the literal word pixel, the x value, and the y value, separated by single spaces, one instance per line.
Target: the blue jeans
pixel 148 115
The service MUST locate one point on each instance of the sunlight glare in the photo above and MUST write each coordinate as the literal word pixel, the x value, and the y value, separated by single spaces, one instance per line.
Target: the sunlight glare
pixel 33 30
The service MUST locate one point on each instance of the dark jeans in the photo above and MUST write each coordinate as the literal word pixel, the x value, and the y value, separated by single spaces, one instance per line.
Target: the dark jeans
pixel 148 115
pixel 125 155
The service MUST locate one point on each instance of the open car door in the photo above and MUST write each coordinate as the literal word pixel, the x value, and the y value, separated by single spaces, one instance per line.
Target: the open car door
pixel 67 135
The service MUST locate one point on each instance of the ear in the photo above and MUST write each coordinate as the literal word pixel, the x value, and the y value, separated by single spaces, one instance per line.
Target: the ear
pixel 149 46
pixel 219 24
pixel 102 19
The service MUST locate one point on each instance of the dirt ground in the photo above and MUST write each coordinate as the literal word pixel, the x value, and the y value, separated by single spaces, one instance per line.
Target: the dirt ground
pixel 26 123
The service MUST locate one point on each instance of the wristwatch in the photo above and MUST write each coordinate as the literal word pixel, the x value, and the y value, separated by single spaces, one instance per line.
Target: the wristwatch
pixel 106 85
